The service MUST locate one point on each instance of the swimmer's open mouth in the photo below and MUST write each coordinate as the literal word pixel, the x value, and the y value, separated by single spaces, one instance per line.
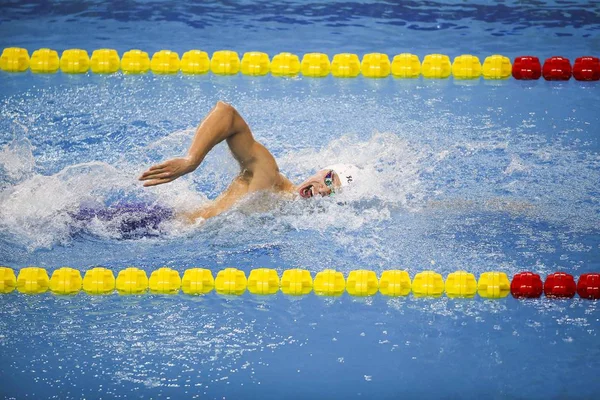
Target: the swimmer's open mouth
pixel 307 192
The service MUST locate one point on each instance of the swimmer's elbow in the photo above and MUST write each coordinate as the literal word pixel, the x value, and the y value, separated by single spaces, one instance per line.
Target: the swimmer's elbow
pixel 201 214
pixel 226 107
pixel 190 218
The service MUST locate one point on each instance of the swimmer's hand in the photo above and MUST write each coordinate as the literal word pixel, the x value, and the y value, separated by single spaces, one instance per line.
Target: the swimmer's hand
pixel 168 171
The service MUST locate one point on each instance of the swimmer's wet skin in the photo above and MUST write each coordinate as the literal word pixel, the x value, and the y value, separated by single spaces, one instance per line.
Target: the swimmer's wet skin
pixel 258 168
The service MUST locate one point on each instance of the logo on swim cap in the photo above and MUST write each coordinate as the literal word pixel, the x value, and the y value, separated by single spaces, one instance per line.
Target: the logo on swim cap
pixel 348 173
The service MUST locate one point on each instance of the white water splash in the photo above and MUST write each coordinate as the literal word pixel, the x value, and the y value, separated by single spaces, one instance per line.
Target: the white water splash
pixel 16 162
pixel 37 211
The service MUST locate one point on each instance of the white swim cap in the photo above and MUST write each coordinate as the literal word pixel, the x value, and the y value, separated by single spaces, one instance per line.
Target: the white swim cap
pixel 348 173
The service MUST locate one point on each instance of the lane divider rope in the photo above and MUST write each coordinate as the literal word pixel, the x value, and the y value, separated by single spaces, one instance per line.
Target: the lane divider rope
pixel 298 282
pixel 317 65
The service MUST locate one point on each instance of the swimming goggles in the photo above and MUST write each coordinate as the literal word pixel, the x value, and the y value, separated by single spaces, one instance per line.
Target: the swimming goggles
pixel 329 182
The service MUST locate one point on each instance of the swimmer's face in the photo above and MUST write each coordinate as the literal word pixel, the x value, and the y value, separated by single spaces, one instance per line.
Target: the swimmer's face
pixel 323 183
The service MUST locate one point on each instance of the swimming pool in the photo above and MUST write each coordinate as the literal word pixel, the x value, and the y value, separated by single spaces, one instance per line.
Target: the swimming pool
pixel 475 175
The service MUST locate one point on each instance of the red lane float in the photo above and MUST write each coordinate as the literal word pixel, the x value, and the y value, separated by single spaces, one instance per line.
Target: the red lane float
pixel 557 68
pixel 527 68
pixel 560 284
pixel 588 286
pixel 526 285
pixel 587 68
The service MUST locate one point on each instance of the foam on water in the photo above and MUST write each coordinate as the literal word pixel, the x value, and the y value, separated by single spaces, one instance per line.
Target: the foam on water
pixel 37 210
pixel 417 202
pixel 17 162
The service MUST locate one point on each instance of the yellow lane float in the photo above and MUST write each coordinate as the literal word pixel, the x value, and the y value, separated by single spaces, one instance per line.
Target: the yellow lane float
pixel 345 65
pixel 466 66
pixel 362 283
pixel 285 64
pixel 75 61
pixel 406 65
pixel 44 61
pixel 195 62
pixel 255 63
pixel 329 283
pixel 493 285
pixel 428 283
pixel 132 281
pixel 32 280
pixel 165 62
pixel 14 59
pixel 497 67
pixel 135 62
pixel 105 61
pixel 263 281
pixel 225 62
pixel 296 282
pixel 461 284
pixel 66 281
pixel 8 280
pixel 231 281
pixel 315 65
pixel 197 281
pixel 164 281
pixel 395 283
pixel 99 280
pixel 375 65
pixel 436 66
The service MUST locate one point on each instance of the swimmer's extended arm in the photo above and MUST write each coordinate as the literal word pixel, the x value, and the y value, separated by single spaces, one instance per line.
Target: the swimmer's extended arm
pixel 222 123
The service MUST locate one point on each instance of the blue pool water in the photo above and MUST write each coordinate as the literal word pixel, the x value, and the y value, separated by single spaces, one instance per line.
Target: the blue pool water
pixel 475 175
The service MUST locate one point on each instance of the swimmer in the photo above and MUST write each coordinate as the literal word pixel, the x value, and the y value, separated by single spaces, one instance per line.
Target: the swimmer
pixel 258 168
